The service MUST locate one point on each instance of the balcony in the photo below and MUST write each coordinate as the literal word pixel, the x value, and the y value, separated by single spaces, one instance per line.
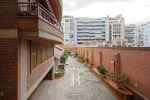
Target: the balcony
pixel 34 20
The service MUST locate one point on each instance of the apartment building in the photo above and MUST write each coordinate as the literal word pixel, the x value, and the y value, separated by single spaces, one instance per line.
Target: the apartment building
pixel 91 30
pixel 117 30
pixel 103 31
pixel 146 32
pixel 140 37
pixel 29 30
pixel 131 32
pixel 69 27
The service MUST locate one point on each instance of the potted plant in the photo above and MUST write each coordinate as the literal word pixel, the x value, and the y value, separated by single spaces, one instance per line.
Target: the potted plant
pixel 60 72
pixel 122 80
pixel 65 56
pixel 102 70
pixel 75 54
pixel 86 61
pixel 81 59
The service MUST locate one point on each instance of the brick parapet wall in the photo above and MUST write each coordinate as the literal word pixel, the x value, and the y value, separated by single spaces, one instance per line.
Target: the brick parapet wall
pixel 134 62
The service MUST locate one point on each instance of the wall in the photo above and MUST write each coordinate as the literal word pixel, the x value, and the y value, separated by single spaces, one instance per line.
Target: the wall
pixel 8 69
pixel 8 13
pixel 134 62
pixel 41 62
pixel 58 53
pixel 22 69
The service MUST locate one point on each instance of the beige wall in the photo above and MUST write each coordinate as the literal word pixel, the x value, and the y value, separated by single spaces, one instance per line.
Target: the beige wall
pixel 41 62
pixel 32 71
pixel 22 70
pixel 58 52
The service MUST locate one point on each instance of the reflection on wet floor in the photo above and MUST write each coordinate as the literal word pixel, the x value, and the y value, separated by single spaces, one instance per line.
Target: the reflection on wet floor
pixel 78 84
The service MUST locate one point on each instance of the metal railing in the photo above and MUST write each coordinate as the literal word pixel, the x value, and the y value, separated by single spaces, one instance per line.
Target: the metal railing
pixel 26 9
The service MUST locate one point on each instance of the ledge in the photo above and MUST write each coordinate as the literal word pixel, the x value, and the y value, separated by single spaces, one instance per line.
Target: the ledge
pixel 111 83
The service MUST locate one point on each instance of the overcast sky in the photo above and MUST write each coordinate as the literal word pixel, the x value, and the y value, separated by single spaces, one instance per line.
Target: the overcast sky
pixel 134 11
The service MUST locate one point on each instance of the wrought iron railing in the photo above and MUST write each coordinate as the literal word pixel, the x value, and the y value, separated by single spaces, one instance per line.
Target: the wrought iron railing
pixel 37 10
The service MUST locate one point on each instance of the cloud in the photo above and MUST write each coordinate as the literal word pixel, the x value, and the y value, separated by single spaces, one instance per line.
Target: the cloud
pixel 134 11
pixel 71 5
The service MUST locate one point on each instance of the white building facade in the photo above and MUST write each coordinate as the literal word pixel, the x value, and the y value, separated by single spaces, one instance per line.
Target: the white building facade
pixel 146 32
pixel 68 24
pixel 140 36
pixel 91 30
pixel 103 31
pixel 131 32
pixel 117 30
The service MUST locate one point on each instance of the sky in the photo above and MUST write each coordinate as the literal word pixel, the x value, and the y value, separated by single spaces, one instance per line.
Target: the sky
pixel 134 11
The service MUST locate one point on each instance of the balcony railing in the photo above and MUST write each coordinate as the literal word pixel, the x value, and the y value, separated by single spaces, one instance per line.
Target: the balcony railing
pixel 27 9
pixel 37 10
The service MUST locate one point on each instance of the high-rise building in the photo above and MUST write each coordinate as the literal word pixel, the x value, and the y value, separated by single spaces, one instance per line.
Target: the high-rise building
pixel 134 35
pixel 90 30
pixel 117 30
pixel 131 32
pixel 146 32
pixel 104 31
pixel 68 24
pixel 29 31
pixel 140 36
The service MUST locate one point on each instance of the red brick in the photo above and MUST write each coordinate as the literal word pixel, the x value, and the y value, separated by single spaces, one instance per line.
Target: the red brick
pixel 135 63
pixel 8 70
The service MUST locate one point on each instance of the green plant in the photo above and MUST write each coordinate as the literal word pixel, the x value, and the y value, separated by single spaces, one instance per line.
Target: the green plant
pixel 65 56
pixel 66 51
pixel 63 60
pixel 59 74
pixel 81 59
pixel 60 71
pixel 102 69
pixel 123 79
pixel 76 55
pixel 86 60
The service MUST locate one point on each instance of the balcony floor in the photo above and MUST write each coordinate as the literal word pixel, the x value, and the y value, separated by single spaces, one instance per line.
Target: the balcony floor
pixel 78 84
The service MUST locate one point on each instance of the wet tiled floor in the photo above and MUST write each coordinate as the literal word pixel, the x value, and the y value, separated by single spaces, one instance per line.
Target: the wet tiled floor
pixel 78 84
